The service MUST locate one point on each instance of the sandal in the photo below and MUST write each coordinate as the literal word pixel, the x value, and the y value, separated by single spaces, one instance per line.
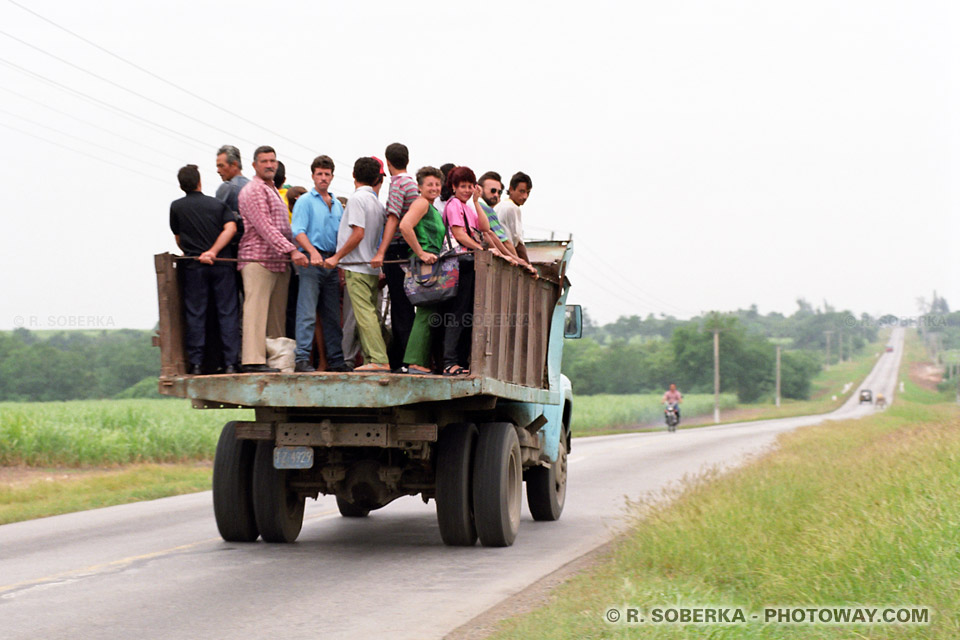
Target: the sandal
pixel 455 370
pixel 373 366
pixel 416 370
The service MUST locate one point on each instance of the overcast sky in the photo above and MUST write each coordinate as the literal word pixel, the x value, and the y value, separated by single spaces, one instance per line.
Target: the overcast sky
pixel 704 155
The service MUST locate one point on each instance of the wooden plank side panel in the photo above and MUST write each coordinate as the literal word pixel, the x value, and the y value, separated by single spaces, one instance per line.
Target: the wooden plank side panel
pixel 490 332
pixel 531 320
pixel 509 319
pixel 525 348
pixel 172 357
pixel 512 322
pixel 505 347
pixel 478 333
pixel 547 303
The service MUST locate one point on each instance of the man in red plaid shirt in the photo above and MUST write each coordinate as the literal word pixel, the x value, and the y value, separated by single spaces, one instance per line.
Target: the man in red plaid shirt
pixel 263 257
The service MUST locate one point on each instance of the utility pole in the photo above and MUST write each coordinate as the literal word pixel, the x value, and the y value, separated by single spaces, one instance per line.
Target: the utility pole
pixel 828 334
pixel 778 375
pixel 716 376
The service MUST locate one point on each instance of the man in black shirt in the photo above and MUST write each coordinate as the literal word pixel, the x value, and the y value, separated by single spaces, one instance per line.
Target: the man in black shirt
pixel 203 227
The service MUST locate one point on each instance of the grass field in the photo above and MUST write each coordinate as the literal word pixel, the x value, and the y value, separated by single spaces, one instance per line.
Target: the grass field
pixel 855 513
pixel 605 413
pixel 61 492
pixel 108 432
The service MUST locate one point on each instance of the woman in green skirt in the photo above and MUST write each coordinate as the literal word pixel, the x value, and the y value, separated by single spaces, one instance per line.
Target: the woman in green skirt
pixel 423 229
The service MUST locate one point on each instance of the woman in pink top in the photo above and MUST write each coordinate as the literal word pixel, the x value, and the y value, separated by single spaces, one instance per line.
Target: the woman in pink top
pixel 467 228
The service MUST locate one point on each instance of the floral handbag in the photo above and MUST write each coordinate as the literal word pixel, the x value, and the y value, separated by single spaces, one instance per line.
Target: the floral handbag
pixel 431 284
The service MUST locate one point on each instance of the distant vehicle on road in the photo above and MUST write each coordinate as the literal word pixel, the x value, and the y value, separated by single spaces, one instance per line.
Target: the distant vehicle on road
pixel 866 396
pixel 889 349
pixel 881 402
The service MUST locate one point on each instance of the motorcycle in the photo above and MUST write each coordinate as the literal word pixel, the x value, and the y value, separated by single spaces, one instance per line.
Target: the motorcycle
pixel 671 416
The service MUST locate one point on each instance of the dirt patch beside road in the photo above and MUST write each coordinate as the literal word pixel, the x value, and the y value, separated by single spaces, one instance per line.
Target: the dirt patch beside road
pixel 926 375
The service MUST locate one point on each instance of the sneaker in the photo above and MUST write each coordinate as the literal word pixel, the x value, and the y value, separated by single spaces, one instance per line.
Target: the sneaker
pixel 303 366
pixel 194 370
pixel 342 368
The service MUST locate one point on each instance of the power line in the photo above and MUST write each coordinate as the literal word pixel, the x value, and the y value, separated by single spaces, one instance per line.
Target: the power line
pixel 620 296
pixel 618 273
pixel 83 153
pixel 103 104
pixel 161 79
pixel 127 89
pixel 139 143
pixel 79 139
pixel 622 291
pixel 157 77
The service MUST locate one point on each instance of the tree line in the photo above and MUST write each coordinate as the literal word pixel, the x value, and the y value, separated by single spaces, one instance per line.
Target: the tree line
pixel 630 355
pixel 74 365
pixel 645 355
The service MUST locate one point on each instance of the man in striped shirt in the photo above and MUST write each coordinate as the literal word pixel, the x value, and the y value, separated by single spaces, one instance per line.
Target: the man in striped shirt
pixel 263 252
pixel 403 191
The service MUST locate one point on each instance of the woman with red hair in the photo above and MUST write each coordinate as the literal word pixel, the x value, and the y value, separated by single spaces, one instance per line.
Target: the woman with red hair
pixel 467 228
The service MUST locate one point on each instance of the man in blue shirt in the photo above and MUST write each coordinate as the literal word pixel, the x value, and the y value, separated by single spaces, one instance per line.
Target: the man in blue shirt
pixel 316 220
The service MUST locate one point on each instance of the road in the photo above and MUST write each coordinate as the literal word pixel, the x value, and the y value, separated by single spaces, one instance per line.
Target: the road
pixel 159 569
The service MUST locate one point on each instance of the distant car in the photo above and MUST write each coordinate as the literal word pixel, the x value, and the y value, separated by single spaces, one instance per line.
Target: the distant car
pixel 889 349
pixel 866 396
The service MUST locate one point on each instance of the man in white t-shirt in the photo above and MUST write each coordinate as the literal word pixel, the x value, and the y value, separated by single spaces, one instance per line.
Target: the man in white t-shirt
pixel 508 210
pixel 357 242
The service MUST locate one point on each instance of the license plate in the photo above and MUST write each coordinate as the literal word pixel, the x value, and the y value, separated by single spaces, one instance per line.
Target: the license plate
pixel 292 457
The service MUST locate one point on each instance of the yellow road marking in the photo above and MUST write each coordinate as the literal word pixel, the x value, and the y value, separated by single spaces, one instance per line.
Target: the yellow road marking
pixel 125 561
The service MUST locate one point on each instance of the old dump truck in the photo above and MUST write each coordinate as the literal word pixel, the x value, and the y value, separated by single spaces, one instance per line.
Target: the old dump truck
pixel 468 442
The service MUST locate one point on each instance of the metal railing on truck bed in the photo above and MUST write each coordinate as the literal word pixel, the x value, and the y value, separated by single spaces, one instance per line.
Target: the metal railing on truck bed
pixel 511 330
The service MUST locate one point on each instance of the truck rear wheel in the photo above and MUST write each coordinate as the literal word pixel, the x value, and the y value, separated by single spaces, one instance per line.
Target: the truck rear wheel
pixel 547 486
pixel 232 487
pixel 351 510
pixel 497 484
pixel 278 510
pixel 454 463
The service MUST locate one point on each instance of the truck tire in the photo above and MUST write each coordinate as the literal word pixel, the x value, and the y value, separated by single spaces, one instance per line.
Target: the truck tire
pixel 497 484
pixel 233 487
pixel 278 510
pixel 350 510
pixel 454 464
pixel 547 486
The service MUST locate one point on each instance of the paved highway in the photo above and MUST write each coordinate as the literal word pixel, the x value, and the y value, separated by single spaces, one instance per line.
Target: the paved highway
pixel 159 569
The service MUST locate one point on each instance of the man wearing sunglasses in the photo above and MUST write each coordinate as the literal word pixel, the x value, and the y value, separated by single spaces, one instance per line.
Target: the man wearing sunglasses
pixel 491 186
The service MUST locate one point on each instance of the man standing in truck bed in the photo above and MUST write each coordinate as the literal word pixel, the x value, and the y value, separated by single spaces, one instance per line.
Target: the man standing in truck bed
pixel 203 227
pixel 265 245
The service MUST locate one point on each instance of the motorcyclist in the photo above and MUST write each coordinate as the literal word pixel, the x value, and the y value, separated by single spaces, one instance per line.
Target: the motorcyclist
pixel 674 397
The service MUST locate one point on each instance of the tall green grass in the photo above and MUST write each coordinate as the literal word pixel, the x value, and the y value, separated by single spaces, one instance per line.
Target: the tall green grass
pixel 98 488
pixel 849 513
pixel 853 513
pixel 107 432
pixel 603 413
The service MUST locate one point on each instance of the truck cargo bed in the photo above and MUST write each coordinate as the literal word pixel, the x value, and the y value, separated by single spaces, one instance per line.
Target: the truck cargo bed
pixel 335 390
pixel 511 337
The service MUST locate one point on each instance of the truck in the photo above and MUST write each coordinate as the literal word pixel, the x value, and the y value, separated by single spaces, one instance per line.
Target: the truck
pixel 468 442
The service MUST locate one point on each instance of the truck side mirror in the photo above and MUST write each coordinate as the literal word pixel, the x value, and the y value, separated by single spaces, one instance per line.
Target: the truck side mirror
pixel 573 322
